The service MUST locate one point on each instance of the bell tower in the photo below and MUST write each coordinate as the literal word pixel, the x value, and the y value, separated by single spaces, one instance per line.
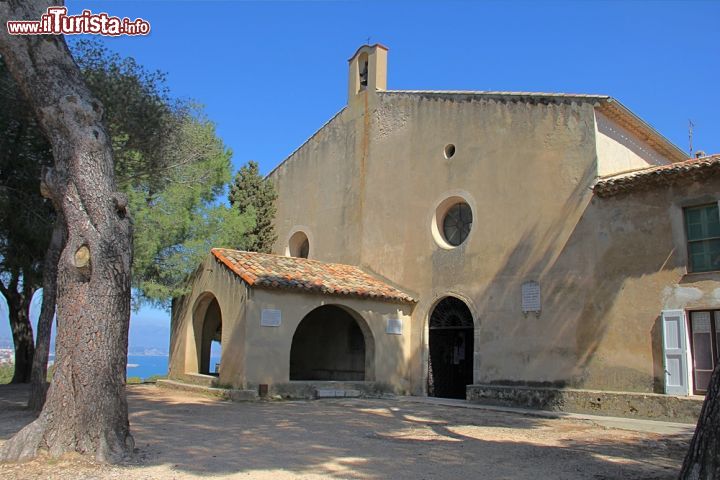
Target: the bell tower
pixel 367 70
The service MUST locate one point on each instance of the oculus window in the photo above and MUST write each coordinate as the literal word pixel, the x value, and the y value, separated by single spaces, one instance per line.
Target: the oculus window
pixel 457 223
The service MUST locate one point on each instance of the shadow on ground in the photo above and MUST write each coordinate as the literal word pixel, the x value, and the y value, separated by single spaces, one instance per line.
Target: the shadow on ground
pixel 181 435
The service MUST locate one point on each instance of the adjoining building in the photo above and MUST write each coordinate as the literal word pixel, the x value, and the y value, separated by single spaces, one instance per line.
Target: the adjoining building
pixel 455 243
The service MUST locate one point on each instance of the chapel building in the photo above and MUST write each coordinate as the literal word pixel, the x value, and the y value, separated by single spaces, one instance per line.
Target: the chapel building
pixel 471 244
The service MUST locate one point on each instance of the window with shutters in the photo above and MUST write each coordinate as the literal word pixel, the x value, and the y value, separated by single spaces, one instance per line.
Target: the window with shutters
pixel 702 225
pixel 704 339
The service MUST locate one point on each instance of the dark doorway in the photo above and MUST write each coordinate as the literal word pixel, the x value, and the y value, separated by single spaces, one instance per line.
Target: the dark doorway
pixel 329 344
pixel 450 363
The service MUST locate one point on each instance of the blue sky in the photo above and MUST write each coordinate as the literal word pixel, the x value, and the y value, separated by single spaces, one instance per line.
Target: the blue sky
pixel 271 73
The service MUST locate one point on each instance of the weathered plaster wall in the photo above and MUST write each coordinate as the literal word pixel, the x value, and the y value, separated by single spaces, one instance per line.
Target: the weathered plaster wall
pixel 637 242
pixel 618 150
pixel 211 280
pixel 267 354
pixel 525 170
pixel 321 194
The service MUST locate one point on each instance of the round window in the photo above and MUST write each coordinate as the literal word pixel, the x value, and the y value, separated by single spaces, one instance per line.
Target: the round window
pixel 457 223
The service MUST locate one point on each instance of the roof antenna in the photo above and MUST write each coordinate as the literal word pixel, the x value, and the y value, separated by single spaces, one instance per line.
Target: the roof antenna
pixel 691 125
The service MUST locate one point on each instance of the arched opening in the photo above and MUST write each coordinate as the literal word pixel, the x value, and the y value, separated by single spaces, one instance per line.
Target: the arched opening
pixel 450 362
pixel 363 71
pixel 299 245
pixel 332 343
pixel 207 326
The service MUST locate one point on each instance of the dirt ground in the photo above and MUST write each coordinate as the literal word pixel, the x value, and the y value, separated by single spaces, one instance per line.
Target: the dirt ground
pixel 181 436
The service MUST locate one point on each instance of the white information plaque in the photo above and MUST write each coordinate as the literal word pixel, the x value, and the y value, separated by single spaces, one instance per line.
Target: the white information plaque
pixel 270 318
pixel 394 326
pixel 531 297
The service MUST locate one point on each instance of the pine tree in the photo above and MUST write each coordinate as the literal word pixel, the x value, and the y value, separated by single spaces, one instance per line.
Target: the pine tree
pixel 251 192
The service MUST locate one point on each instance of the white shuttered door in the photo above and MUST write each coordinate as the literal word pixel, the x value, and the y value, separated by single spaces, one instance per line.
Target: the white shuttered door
pixel 675 352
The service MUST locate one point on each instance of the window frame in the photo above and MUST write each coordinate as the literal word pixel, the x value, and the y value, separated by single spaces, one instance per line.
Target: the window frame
pixel 714 347
pixel 460 225
pixel 690 266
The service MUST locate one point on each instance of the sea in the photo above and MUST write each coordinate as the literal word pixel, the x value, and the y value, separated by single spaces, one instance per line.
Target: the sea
pixel 145 366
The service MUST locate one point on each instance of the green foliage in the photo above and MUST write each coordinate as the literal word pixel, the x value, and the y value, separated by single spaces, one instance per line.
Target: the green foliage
pixel 155 378
pixel 26 218
pixel 168 160
pixel 140 116
pixel 133 380
pixel 253 194
pixel 179 223
pixel 6 373
pixel 171 164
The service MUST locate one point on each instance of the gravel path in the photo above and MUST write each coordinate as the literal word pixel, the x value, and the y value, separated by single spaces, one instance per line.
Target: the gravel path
pixel 180 436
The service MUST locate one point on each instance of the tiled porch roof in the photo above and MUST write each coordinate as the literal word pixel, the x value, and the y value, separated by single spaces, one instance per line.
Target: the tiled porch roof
pixel 696 169
pixel 265 270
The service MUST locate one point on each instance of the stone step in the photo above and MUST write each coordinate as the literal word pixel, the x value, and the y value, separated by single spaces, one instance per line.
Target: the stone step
pixel 336 393
pixel 197 379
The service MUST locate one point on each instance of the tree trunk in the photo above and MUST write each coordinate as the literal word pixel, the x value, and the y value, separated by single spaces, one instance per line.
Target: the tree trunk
pixel 86 408
pixel 23 342
pixel 19 316
pixel 702 461
pixel 38 378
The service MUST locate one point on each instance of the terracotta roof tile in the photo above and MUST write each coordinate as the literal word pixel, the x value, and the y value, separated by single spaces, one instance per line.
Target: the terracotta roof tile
pixel 695 169
pixel 265 270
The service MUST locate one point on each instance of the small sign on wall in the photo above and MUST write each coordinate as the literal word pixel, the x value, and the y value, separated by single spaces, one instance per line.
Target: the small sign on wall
pixel 394 326
pixel 270 318
pixel 531 301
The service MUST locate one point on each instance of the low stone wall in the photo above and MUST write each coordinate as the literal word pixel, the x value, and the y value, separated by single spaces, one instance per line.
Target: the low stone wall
pixel 321 389
pixel 231 394
pixel 597 402
pixel 196 379
pixel 292 390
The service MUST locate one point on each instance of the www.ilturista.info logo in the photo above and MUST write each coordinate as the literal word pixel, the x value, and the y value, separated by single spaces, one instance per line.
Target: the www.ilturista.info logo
pixel 56 21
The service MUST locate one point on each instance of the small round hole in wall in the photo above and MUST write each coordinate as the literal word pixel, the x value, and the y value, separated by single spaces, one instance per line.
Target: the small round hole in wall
pixel 449 150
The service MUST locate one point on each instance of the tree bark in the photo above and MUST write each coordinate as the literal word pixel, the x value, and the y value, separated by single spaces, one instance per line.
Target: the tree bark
pixel 702 461
pixel 22 341
pixel 86 407
pixel 19 316
pixel 38 377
